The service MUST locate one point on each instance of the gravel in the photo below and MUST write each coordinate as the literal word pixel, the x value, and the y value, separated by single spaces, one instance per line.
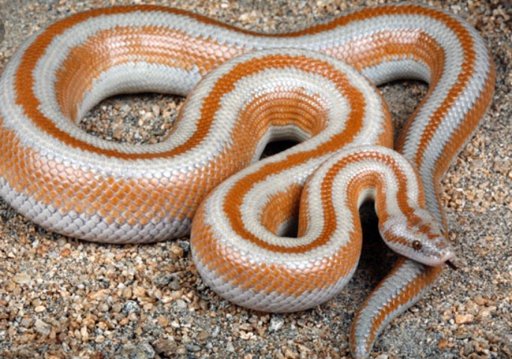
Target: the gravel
pixel 63 298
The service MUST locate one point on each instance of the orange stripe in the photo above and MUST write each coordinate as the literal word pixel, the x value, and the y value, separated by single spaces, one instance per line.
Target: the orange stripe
pixel 406 294
pixel 464 77
pixel 462 133
pixel 280 208
pixel 387 45
pixel 26 97
pixel 24 83
pixel 132 200
pixel 229 264
pixel 375 180
pixel 121 45
pixel 285 107
pixel 354 122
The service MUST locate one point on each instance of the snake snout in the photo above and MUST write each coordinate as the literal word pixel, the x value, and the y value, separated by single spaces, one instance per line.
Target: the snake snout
pixel 438 251
pixel 422 242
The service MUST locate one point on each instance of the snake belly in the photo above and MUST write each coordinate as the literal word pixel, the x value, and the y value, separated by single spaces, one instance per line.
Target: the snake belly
pixel 79 185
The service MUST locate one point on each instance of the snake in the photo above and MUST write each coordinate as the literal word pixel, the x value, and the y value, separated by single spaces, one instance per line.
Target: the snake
pixel 280 233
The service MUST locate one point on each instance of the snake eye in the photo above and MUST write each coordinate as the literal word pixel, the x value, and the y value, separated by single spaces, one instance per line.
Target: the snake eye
pixel 416 245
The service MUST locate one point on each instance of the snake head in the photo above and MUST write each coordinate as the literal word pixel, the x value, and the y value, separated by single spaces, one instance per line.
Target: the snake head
pixel 418 237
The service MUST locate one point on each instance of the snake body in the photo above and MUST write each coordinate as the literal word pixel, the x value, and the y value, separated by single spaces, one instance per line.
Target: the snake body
pixel 255 88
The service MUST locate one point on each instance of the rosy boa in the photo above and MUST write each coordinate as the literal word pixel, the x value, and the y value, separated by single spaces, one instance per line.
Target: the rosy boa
pixel 294 88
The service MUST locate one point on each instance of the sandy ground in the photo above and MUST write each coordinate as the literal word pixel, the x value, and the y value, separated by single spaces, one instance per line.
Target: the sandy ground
pixel 63 298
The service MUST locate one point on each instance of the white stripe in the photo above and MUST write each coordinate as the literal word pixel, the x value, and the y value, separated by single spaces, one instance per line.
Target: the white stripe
pixel 453 119
pixel 269 302
pixel 92 228
pixel 398 69
pixel 255 200
pixel 389 290
pixel 61 45
pixel 218 137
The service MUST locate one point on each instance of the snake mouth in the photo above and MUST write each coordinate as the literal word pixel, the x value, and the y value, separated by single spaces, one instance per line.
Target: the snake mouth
pixel 447 255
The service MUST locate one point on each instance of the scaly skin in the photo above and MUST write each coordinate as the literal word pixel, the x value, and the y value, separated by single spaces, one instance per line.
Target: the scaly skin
pixel 78 185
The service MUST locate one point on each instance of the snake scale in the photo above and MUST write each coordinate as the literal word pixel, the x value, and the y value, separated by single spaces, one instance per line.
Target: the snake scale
pixel 245 90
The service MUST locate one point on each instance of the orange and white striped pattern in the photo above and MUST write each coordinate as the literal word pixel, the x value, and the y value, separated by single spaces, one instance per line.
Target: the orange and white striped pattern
pixel 79 185
pixel 261 268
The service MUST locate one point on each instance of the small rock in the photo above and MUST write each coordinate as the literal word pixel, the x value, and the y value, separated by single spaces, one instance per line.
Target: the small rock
pixel 203 335
pixel 480 300
pixel 162 280
pixel 185 245
pixel 156 110
pixel 443 344
pixel 175 324
pixel 193 348
pixel 172 280
pixel 276 323
pixel 103 307
pixel 181 304
pixel 486 312
pixel 177 250
pixel 290 354
pixel 464 318
pixel 148 116
pixel 229 347
pixel 163 321
pixel 42 327
pixel 22 278
pixel 131 307
pixel 140 351
pixel 139 291
pixel 127 293
pixel 117 307
pixel 39 309
pixel 165 346
pixel 26 322
pixel 125 108
pixel 66 252
pixel 469 348
pixel 84 334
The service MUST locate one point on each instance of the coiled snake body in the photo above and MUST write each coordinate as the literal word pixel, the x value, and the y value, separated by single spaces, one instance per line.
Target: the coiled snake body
pixel 293 87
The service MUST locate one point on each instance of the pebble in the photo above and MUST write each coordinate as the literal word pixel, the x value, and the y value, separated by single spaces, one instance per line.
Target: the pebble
pixel 42 327
pixel 181 304
pixel 130 306
pixel 464 318
pixel 139 351
pixel 22 278
pixel 229 347
pixel 193 348
pixel 165 346
pixel 172 280
pixel 40 308
pixel 276 323
pixel 203 335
